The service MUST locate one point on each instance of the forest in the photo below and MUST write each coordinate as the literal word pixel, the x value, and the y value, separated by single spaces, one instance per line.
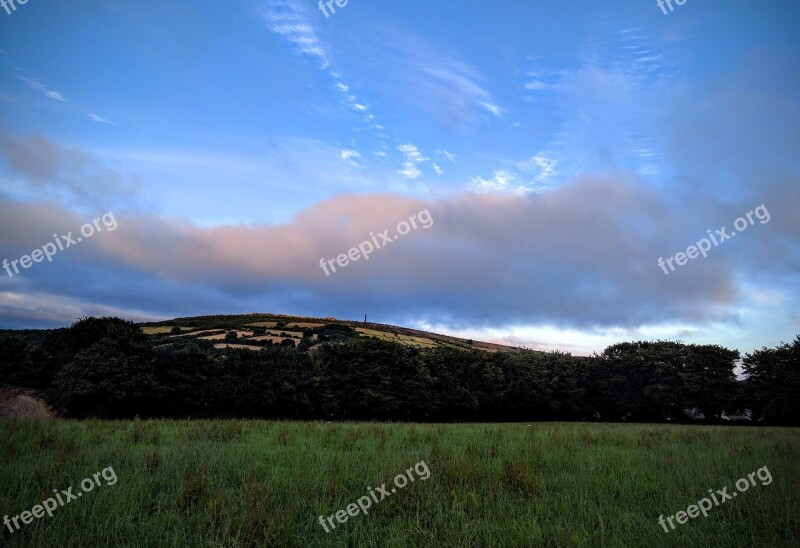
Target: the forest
pixel 109 368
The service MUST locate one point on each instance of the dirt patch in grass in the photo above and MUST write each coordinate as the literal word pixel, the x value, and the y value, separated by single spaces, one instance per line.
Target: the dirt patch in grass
pixel 23 403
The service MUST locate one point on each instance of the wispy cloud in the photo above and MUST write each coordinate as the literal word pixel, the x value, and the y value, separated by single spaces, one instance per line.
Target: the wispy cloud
pixel 461 82
pixel 37 85
pixel 100 119
pixel 287 20
pixel 284 19
pixel 424 74
pixel 541 166
pixel 608 104
pixel 449 155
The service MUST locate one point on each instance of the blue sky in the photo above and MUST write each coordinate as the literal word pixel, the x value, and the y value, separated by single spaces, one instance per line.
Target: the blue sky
pixel 562 147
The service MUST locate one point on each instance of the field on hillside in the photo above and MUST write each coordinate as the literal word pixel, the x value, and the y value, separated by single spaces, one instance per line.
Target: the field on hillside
pixel 283 327
pixel 248 483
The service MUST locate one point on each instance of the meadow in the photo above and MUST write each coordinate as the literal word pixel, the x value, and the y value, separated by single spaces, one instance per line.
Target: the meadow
pixel 261 483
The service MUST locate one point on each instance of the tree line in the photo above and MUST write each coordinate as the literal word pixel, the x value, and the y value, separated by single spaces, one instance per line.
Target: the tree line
pixel 108 368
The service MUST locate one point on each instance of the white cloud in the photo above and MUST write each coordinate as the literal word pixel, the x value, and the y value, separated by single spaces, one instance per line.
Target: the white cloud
pixel 768 297
pixel 284 19
pixel 413 157
pixel 349 155
pixel 412 153
pixel 499 182
pixel 537 85
pixel 535 171
pixel 449 155
pixel 491 107
pixel 36 85
pixel 100 119
pixel 410 171
pixel 424 74
pixel 541 166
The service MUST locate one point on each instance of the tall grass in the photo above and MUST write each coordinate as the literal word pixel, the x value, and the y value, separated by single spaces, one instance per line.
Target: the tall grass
pixel 251 483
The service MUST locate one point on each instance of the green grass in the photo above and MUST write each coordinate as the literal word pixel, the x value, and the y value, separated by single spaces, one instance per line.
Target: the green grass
pixel 253 483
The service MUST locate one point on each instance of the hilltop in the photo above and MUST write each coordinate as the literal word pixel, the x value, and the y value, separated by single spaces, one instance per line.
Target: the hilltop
pixel 255 330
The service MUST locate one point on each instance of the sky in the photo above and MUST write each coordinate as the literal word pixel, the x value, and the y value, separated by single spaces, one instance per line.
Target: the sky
pixel 563 152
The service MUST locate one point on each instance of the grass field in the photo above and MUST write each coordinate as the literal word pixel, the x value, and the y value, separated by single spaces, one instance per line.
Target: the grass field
pixel 402 339
pixel 252 483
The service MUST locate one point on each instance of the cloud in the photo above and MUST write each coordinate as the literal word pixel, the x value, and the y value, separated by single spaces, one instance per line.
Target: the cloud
pixel 46 309
pixel 100 119
pixel 284 19
pixel 410 171
pixel 68 173
pixel 610 108
pixel 350 156
pixel 423 74
pixel 499 182
pixel 448 155
pixel 526 176
pixel 413 158
pixel 583 255
pixel 490 107
pixel 538 85
pixel 459 81
pixel 541 166
pixel 37 85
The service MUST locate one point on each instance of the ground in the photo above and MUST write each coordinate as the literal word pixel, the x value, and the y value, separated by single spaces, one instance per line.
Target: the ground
pixel 263 483
pixel 23 403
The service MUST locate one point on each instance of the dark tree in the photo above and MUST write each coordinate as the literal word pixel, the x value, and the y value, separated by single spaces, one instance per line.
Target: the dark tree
pixel 709 383
pixel 773 382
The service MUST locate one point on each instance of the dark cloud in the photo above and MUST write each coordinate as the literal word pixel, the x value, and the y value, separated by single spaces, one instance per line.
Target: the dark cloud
pixel 65 173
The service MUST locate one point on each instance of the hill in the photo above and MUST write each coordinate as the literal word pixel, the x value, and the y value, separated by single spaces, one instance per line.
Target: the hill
pixel 253 329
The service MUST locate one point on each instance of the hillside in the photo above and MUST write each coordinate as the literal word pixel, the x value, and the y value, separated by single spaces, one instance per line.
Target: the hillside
pixel 253 330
